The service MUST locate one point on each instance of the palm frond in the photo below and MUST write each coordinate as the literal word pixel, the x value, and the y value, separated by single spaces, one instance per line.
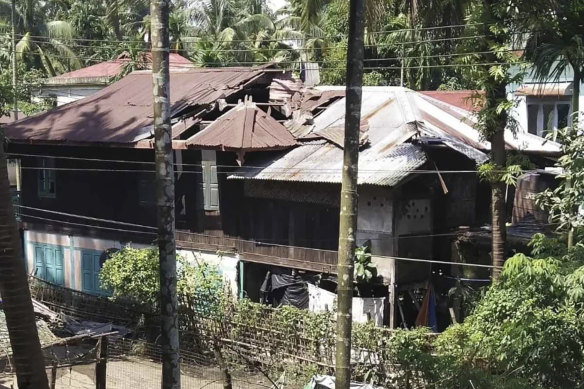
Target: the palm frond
pixel 256 22
pixel 66 53
pixel 60 29
pixel 24 46
pixel 46 61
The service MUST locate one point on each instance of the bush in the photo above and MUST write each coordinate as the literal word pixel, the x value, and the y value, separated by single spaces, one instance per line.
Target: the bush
pixel 134 274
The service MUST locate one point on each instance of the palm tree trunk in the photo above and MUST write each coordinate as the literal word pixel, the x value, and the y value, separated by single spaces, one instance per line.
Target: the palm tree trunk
pixel 116 19
pixel 349 198
pixel 495 94
pixel 16 300
pixel 575 119
pixel 498 209
pixel 159 11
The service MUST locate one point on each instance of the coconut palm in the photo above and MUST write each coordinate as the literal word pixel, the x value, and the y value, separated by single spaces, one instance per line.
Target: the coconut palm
pixel 42 43
pixel 555 45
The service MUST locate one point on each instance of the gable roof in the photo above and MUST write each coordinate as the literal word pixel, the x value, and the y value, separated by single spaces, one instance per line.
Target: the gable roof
pixel 104 72
pixel 121 114
pixel 396 117
pixel 243 128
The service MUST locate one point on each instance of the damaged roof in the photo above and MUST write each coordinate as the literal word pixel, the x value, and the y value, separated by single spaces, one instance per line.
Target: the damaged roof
pixel 121 114
pixel 243 128
pixel 385 161
pixel 398 120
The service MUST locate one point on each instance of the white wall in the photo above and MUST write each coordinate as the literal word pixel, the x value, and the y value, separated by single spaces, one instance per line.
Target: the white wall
pixel 67 93
pixel 320 300
pixel 72 246
pixel 226 263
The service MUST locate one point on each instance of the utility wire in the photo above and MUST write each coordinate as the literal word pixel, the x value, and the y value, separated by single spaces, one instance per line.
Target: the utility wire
pixel 236 168
pixel 242 240
pixel 332 171
pixel 245 50
pixel 227 64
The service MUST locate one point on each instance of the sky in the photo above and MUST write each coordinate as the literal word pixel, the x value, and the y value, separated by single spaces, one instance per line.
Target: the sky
pixel 276 4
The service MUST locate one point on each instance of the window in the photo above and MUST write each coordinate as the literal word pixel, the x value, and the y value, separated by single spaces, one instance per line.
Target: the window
pixel 48 263
pixel 146 192
pixel 47 184
pixel 547 116
pixel 210 186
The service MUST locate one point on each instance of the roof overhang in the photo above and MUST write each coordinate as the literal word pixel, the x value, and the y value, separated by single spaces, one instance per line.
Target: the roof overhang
pixel 556 89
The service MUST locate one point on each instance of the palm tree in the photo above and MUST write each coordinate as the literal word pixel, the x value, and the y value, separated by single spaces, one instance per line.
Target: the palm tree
pixel 16 299
pixel 43 44
pixel 556 45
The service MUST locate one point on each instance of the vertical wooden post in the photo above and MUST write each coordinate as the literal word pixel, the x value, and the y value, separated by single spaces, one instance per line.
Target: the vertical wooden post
pixel 159 11
pixel 101 366
pixel 392 293
pixel 349 198
pixel 54 376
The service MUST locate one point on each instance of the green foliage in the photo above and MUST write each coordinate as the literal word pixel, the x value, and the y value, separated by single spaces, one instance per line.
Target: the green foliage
pixel 365 270
pixel 528 325
pixel 490 172
pixel 134 274
pixel 564 203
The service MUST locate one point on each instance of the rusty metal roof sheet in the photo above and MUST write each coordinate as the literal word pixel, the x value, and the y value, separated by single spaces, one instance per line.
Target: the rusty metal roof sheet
pixel 320 161
pixel 104 72
pixel 243 128
pixel 395 115
pixel 385 162
pixel 122 112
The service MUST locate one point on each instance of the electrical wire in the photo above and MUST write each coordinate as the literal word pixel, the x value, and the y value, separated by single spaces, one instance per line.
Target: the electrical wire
pixel 264 170
pixel 235 239
pixel 252 69
pixel 397 31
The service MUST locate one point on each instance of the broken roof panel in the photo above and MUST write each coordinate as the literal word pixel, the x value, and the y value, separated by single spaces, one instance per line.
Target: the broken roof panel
pixel 385 162
pixel 320 161
pixel 121 114
pixel 243 128
pixel 395 115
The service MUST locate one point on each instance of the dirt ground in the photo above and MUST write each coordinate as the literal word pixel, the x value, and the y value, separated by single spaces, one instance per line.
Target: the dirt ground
pixel 140 373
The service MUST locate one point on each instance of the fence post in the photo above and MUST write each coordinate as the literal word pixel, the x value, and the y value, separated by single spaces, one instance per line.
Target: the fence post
pixel 101 366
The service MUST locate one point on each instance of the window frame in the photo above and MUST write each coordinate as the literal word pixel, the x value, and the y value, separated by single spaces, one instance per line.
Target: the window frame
pixel 541 103
pixel 47 174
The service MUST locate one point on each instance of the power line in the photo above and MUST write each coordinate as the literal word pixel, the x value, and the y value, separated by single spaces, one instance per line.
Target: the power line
pixel 236 168
pixel 296 49
pixel 87 225
pixel 397 58
pixel 331 171
pixel 238 239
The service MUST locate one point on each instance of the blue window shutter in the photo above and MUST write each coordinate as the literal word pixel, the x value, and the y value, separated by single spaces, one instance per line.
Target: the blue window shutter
pixel 48 263
pixel 87 272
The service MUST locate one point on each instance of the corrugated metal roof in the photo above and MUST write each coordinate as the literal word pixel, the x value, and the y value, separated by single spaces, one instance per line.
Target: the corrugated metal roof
pixel 103 72
pixel 320 161
pixel 385 162
pixel 463 99
pixel 243 128
pixel 122 112
pixel 394 116
pixel 460 124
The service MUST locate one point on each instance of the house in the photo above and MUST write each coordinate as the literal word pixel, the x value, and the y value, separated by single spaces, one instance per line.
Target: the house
pixel 541 108
pixel 258 159
pixel 80 83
